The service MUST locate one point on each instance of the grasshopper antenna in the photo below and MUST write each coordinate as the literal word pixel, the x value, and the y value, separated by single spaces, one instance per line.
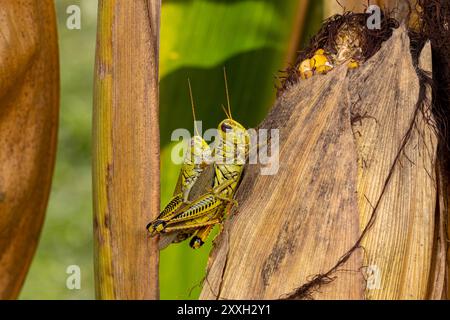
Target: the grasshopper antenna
pixel 225 110
pixel 226 90
pixel 193 108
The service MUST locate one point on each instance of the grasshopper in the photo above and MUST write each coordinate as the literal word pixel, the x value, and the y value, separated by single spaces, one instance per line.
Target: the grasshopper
pixel 195 161
pixel 202 183
pixel 202 214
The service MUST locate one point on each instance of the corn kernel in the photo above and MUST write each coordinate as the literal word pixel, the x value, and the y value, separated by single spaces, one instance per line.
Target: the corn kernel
pixel 353 64
pixel 320 51
pixel 320 64
pixel 305 69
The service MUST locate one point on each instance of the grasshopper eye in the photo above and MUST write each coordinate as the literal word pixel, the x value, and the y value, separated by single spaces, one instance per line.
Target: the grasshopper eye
pixel 225 127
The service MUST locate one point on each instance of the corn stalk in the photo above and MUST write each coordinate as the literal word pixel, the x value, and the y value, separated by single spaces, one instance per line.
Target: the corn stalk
pixel 126 149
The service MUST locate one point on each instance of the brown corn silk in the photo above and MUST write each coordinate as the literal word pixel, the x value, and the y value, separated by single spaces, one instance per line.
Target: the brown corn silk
pixel 357 191
pixel 398 9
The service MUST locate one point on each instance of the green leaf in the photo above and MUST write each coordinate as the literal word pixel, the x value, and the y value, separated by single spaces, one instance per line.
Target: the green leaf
pixel 198 38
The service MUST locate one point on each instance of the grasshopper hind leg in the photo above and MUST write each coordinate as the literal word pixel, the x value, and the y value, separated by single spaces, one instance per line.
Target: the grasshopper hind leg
pixel 200 237
pixel 156 227
pixel 203 233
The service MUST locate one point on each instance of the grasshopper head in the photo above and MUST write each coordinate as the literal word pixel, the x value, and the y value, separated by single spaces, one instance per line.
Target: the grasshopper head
pixel 198 150
pixel 233 132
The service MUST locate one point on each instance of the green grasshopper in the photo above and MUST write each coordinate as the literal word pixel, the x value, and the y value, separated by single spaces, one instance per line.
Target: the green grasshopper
pixel 195 161
pixel 209 209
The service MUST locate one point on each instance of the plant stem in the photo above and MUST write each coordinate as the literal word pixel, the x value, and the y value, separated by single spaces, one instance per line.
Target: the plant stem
pixel 126 149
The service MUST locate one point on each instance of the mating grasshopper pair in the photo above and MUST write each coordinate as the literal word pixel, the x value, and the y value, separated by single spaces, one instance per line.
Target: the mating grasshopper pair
pixel 205 187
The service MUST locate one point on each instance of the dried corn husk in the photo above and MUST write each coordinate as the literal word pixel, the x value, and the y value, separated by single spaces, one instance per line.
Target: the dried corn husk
pixel 356 158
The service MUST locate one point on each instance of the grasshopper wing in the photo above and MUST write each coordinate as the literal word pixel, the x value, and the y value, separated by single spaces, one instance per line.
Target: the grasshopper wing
pixel 166 239
pixel 204 182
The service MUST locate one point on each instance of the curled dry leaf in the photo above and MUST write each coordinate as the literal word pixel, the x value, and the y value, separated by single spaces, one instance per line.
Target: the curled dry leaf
pixel 29 101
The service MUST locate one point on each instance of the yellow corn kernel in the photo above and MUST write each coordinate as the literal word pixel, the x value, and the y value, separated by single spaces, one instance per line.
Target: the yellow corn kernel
pixel 320 51
pixel 353 64
pixel 320 63
pixel 305 69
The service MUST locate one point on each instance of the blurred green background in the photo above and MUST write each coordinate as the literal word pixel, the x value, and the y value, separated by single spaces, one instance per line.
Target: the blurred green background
pixel 251 38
